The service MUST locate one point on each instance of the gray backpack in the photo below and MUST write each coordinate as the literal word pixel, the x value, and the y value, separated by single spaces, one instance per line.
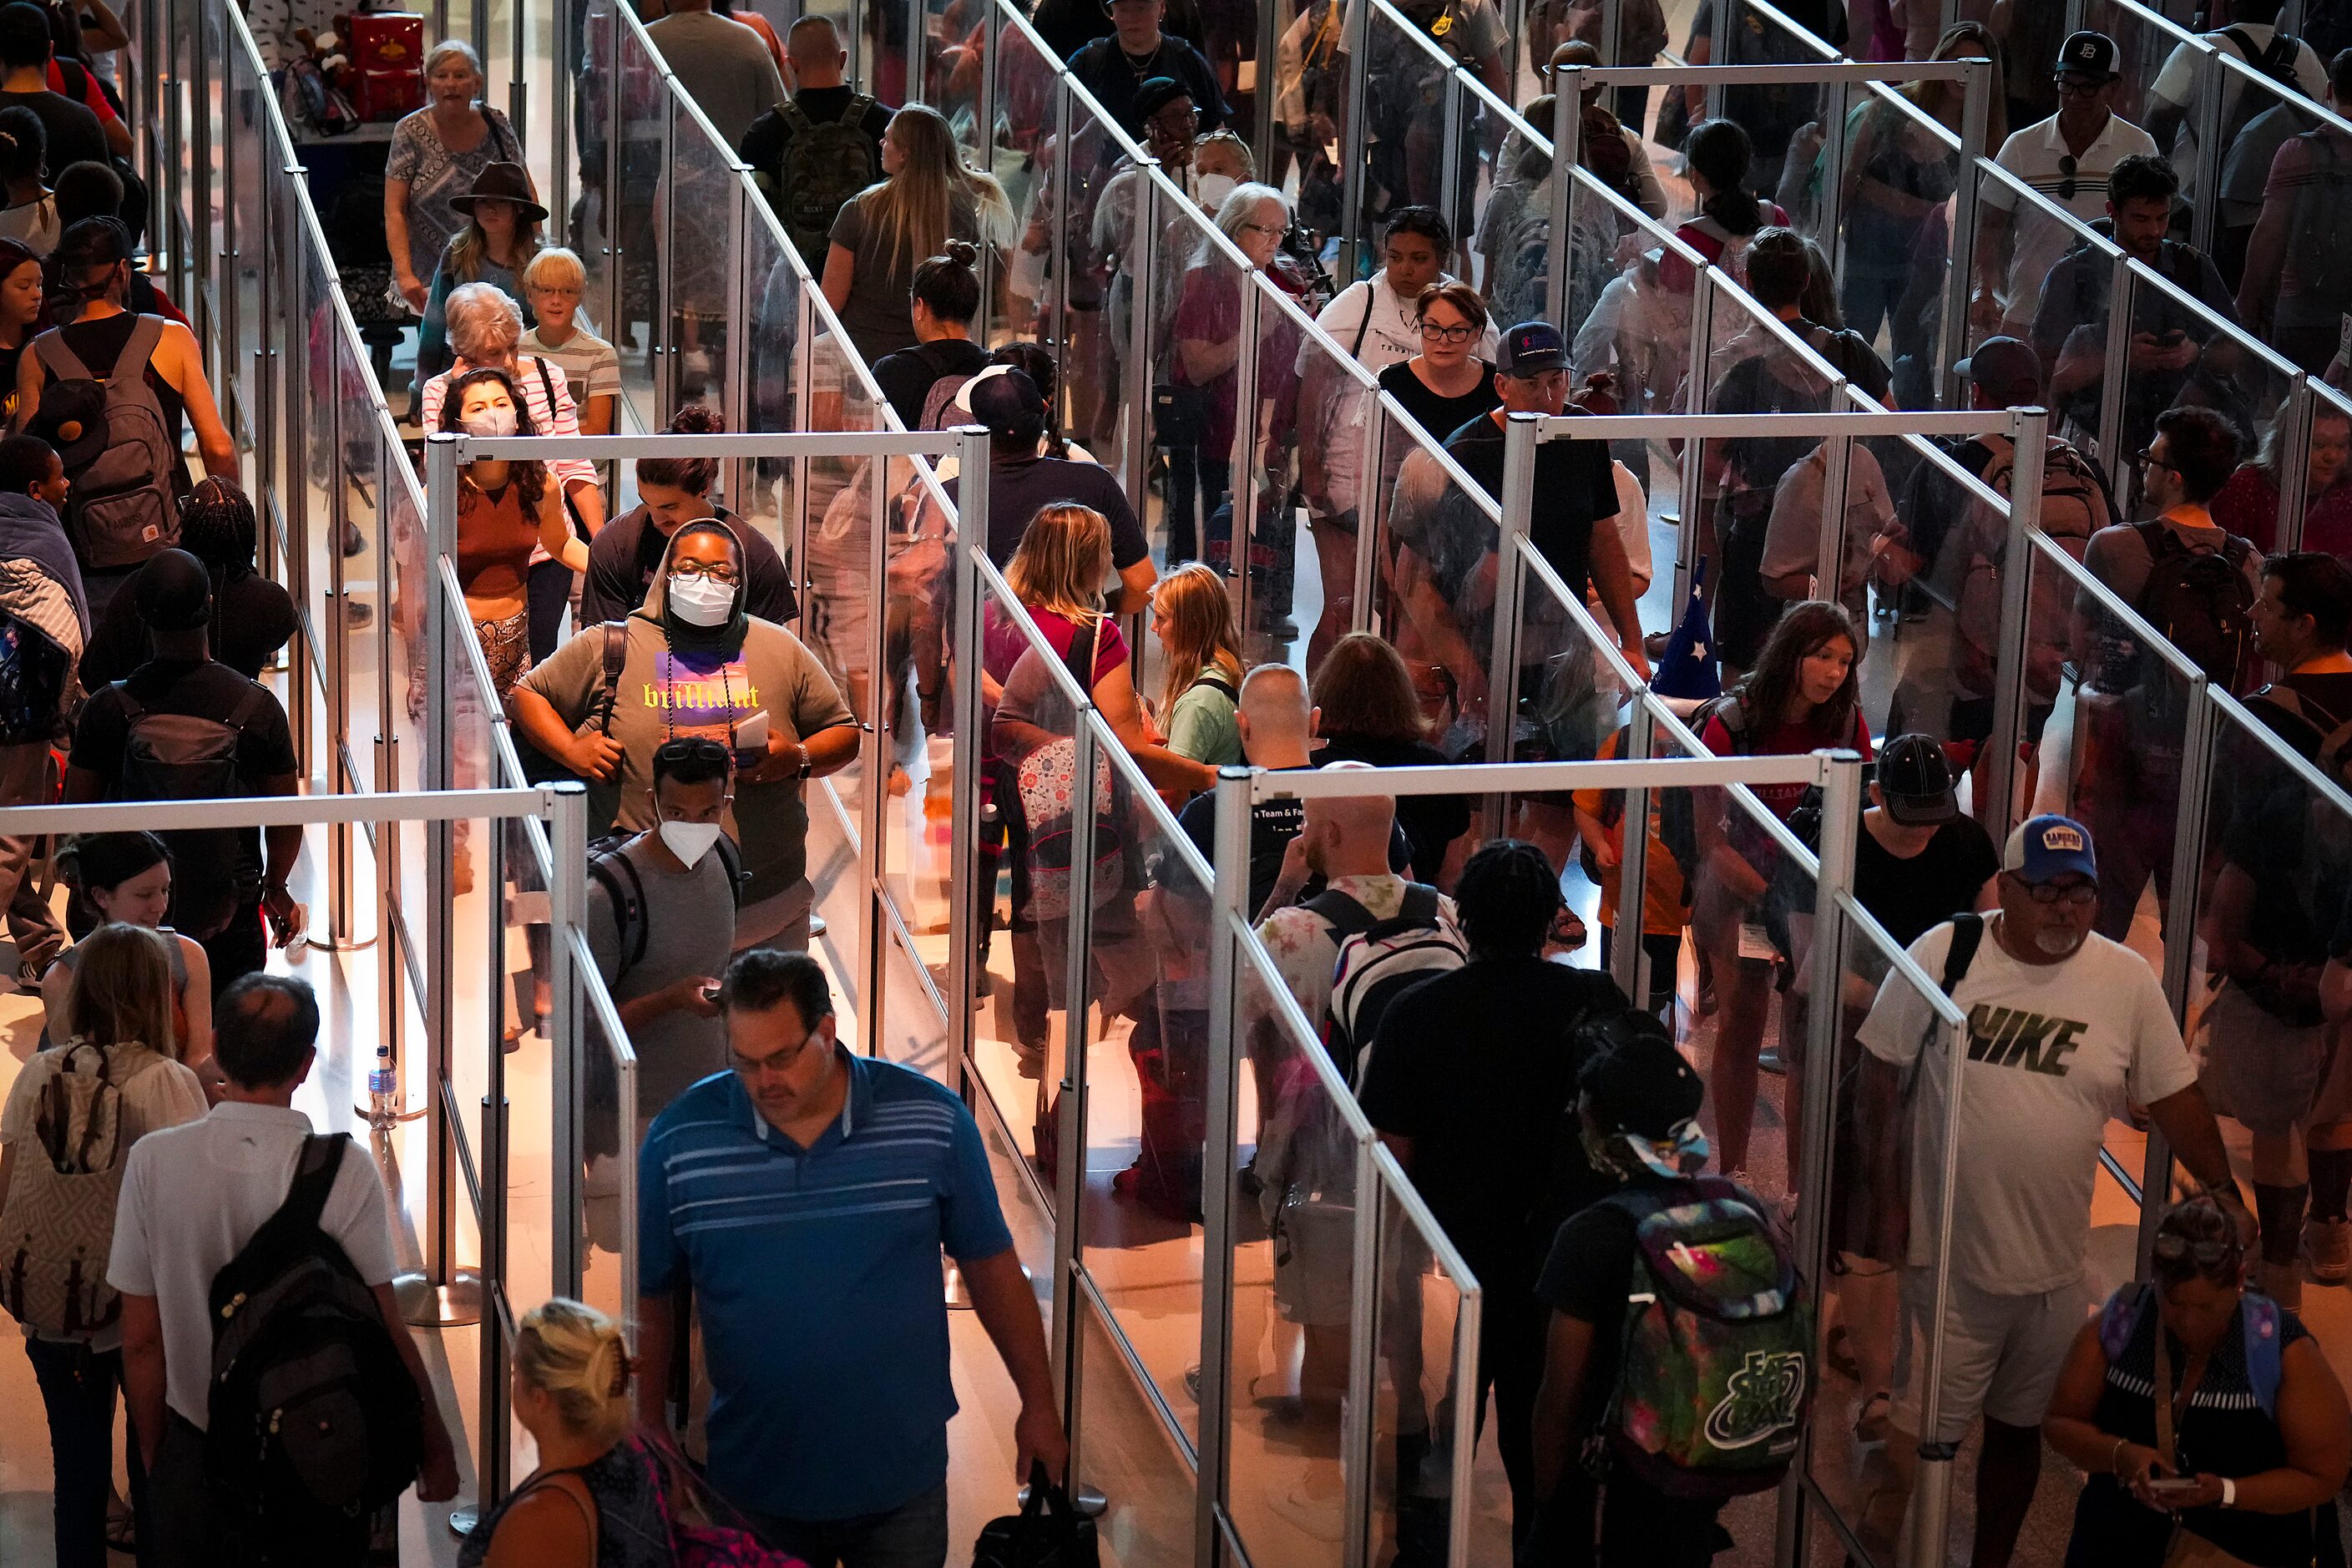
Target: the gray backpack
pixel 122 509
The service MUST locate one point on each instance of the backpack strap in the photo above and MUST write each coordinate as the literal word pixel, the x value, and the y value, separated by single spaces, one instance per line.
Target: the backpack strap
pixel 1420 907
pixel 315 1171
pixel 1215 682
pixel 1968 935
pixel 64 363
pixel 547 384
pixel 247 707
pixel 132 709
pixel 138 350
pixel 1345 915
pixel 615 651
pixel 2265 1343
pixel 2119 1319
pixel 797 117
pixel 611 868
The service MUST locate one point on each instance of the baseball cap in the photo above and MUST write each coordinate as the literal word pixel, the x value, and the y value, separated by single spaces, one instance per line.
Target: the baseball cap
pixel 2087 53
pixel 2046 847
pixel 1916 779
pixel 1156 93
pixel 1009 403
pixel 72 418
pixel 2000 363
pixel 175 591
pixel 1643 1090
pixel 1530 348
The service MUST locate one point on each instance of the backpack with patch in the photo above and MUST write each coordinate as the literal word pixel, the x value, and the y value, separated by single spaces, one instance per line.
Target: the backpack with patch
pixel 1048 793
pixel 185 756
pixel 2199 600
pixel 314 1422
pixel 1717 1364
pixel 122 509
pixel 822 167
pixel 2258 1324
pixel 617 875
pixel 1379 960
pixel 57 1225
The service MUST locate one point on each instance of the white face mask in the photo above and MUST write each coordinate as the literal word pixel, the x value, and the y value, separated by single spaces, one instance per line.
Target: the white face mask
pixel 1213 189
pixel 699 602
pixel 492 421
pixel 689 841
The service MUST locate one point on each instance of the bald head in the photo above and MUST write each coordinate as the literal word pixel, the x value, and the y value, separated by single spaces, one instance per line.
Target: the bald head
pixel 1348 835
pixel 1277 718
pixel 814 46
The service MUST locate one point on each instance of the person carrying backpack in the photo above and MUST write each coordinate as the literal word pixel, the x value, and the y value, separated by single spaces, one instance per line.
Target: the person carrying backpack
pixel 2298 278
pixel 2291 70
pixel 1684 1394
pixel 1471 1080
pixel 72 1116
pixel 921 382
pixel 185 727
pixel 243 1246
pixel 108 390
pixel 819 147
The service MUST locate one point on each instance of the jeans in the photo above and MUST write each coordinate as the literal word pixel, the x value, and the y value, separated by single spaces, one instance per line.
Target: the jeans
pixel 239 948
pixel 549 591
pixel 78 1387
pixel 912 1535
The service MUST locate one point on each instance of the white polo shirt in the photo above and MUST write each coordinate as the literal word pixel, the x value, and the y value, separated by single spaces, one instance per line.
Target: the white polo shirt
pixel 2033 156
pixel 2176 82
pixel 194 1195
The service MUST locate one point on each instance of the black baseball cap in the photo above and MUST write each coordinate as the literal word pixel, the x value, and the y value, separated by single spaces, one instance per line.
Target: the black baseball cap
pixel 1642 1084
pixel 1156 93
pixel 1531 349
pixel 1914 778
pixel 2003 363
pixel 1008 402
pixel 175 591
pixel 2090 54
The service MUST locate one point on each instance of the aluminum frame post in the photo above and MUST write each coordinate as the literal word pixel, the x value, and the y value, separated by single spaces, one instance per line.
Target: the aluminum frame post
pixel 2294 460
pixel 1449 172
pixel 616 327
pixel 1932 1490
pixel 735 395
pixel 874 754
pixel 1841 802
pixel 493 1474
pixel 2205 168
pixel 567 891
pixel 564 49
pixel 1371 514
pixel 205 310
pixel 1694 457
pixel 1976 112
pixel 661 343
pixel 1837 464
pixel 1510 581
pixel 1263 86
pixel 1228 1039
pixel 1242 476
pixel 2029 435
pixel 2122 296
pixel 968 905
pixel 294 500
pixel 919 87
pixel 1831 221
pixel 519 91
pixel 1070 1124
pixel 1363 1362
pixel 2181 918
pixel 804 373
pixel 1059 261
pixel 1718 53
pixel 1629 960
pixel 440 1011
pixel 991 48
pixel 338 663
pixel 440 18
pixel 478 24
pixel 1353 21
pixel 1135 386
pixel 263 401
pixel 172 227
pixel 1568 149
pixel 228 352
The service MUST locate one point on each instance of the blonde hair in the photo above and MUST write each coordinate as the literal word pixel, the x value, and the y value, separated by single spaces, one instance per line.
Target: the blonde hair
pixel 1200 633
pixel 1230 144
pixel 1063 557
pixel 908 214
pixel 573 1353
pixel 122 989
pixel 555 267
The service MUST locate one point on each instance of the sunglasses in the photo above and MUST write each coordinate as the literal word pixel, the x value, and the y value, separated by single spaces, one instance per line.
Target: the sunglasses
pixel 2206 1252
pixel 2067 183
pixel 691 748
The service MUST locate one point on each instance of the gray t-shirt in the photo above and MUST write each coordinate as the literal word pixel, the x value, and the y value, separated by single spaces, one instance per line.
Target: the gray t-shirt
pixel 723 64
pixel 877 317
pixel 689 928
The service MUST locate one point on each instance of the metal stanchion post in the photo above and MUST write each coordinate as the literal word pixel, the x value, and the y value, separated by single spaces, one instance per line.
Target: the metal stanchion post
pixel 1227 1043
pixel 662 345
pixel 1693 463
pixel 1135 388
pixel 875 750
pixel 743 314
pixel 1371 513
pixel 1976 110
pixel 2122 296
pixel 970 904
pixel 1363 1314
pixel 2180 918
pixel 1519 439
pixel 1241 479
pixel 567 839
pixel 2204 173
pixel 2294 460
pixel 1628 959
pixel 2029 432
pixel 1568 143
pixel 1355 22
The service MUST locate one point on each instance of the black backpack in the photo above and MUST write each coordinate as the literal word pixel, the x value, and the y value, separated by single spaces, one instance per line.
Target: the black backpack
pixel 617 875
pixel 822 169
pixel 35 674
pixel 2199 600
pixel 182 756
pixel 2277 64
pixel 313 1420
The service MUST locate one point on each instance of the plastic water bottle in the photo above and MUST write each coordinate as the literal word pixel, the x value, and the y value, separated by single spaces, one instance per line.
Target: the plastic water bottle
pixel 384 1095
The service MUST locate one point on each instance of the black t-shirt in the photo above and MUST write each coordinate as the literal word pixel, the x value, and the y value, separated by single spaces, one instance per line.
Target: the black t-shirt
pixel 253 618
pixel 1018 490
pixel 1273 824
pixel 1431 822
pixel 1910 897
pixel 1478 1068
pixel 208 690
pixel 74 135
pixel 1105 69
pixel 1587 1277
pixel 623 558
pixel 1439 415
pixel 907 375
pixel 766 138
pixel 1574 491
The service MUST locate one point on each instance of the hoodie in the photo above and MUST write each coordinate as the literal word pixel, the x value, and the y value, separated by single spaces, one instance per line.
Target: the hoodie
pixel 682 680
pixel 30 531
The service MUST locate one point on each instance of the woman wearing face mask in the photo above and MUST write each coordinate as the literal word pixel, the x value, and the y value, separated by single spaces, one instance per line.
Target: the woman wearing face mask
pixel 695 662
pixel 672 492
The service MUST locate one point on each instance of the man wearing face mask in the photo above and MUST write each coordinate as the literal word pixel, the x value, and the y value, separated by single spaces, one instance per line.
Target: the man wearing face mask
pixel 690 662
pixel 2063 1026
pixel 661 915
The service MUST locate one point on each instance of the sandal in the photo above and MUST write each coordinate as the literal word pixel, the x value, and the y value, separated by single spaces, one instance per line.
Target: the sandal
pixel 1568 931
pixel 1874 1423
pixel 121 1529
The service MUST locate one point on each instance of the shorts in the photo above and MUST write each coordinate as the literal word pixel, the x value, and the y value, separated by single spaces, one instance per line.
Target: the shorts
pixel 2002 1355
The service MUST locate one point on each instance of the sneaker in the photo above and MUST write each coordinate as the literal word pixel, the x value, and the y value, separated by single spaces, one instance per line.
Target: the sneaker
pixel 2328 1250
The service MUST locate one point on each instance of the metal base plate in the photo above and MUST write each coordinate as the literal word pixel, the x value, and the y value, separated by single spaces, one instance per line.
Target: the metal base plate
pixel 424 1305
pixel 462 1521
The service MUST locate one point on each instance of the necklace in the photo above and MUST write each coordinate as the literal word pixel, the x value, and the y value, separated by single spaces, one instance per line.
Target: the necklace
pixel 1141 69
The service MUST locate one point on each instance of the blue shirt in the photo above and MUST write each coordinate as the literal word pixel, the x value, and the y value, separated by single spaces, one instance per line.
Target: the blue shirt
pixel 816 1276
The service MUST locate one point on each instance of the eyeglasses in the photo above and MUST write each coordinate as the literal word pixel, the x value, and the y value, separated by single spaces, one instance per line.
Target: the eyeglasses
pixel 2147 458
pixel 774 1061
pixel 2061 892
pixel 717 571
pixel 2077 87
pixel 1276 230
pixel 1175 124
pixel 1457 334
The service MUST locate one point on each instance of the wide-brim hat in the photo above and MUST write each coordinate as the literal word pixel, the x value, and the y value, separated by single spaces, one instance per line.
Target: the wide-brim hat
pixel 501 182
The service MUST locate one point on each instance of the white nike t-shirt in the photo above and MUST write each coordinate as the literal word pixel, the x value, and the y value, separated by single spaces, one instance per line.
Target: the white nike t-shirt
pixel 2054 1050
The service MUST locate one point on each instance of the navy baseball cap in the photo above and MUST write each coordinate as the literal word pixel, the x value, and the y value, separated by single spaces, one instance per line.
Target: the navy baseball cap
pixel 2045 848
pixel 1914 778
pixel 2087 53
pixel 1531 349
pixel 2002 363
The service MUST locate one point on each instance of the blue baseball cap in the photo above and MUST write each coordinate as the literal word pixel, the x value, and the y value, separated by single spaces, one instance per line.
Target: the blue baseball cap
pixel 2045 848
pixel 1531 349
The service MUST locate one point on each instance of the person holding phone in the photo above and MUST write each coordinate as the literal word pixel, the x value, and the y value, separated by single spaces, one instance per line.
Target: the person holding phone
pixel 2198 1406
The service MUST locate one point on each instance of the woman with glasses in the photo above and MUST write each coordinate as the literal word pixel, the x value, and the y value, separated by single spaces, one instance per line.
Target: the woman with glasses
pixel 2207 1417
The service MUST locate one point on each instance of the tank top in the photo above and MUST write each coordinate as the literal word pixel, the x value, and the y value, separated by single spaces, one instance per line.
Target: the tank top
pixel 177 954
pixel 630 1527
pixel 494 536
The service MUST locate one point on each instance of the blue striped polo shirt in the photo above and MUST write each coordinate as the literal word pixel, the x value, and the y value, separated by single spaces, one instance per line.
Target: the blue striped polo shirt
pixel 816 1279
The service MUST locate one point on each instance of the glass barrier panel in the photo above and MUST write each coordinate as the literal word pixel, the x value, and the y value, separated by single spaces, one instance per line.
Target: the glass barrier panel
pixel 367 437
pixel 841 595
pixel 610 1134
pixel 594 134
pixel 954 39
pixel 1294 1270
pixel 406 629
pixel 917 712
pixel 1171 414
pixel 2020 241
pixel 703 265
pixel 2181 357
pixel 2154 62
pixel 1127 1452
pixel 1023 148
pixel 1024 953
pixel 526 1008
pixel 2271 236
pixel 2258 118
pixel 480 1007
pixel 251 173
pixel 1146 944
pixel 212 220
pixel 1333 401
pixel 772 400
pixel 1261 530
pixel 1096 362
pixel 1894 246
pixel 2326 523
pixel 336 389
pixel 1405 107
pixel 645 108
pixel 1433 551
pixel 1418 1315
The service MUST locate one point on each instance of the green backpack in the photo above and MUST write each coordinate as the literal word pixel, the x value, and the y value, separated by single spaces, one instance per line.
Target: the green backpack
pixel 1718 1365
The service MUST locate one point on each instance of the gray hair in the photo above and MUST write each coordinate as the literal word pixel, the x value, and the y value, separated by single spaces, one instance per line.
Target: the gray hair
pixel 485 325
pixel 1240 206
pixel 458 47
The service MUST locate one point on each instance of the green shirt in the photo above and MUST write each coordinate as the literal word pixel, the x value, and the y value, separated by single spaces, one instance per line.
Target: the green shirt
pixel 1202 725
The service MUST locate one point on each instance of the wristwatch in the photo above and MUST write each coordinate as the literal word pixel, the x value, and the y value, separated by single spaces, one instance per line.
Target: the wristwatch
pixel 2229 1492
pixel 806 766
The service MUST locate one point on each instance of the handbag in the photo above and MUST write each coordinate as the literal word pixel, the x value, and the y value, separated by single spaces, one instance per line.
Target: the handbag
pixel 2187 1549
pixel 1048 1532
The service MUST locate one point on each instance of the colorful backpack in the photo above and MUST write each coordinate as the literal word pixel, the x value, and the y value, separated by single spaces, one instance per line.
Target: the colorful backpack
pixel 696 1541
pixel 1718 1365
pixel 1047 790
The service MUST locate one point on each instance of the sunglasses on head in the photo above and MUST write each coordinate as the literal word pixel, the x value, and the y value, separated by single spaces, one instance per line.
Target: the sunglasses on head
pixel 2067 183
